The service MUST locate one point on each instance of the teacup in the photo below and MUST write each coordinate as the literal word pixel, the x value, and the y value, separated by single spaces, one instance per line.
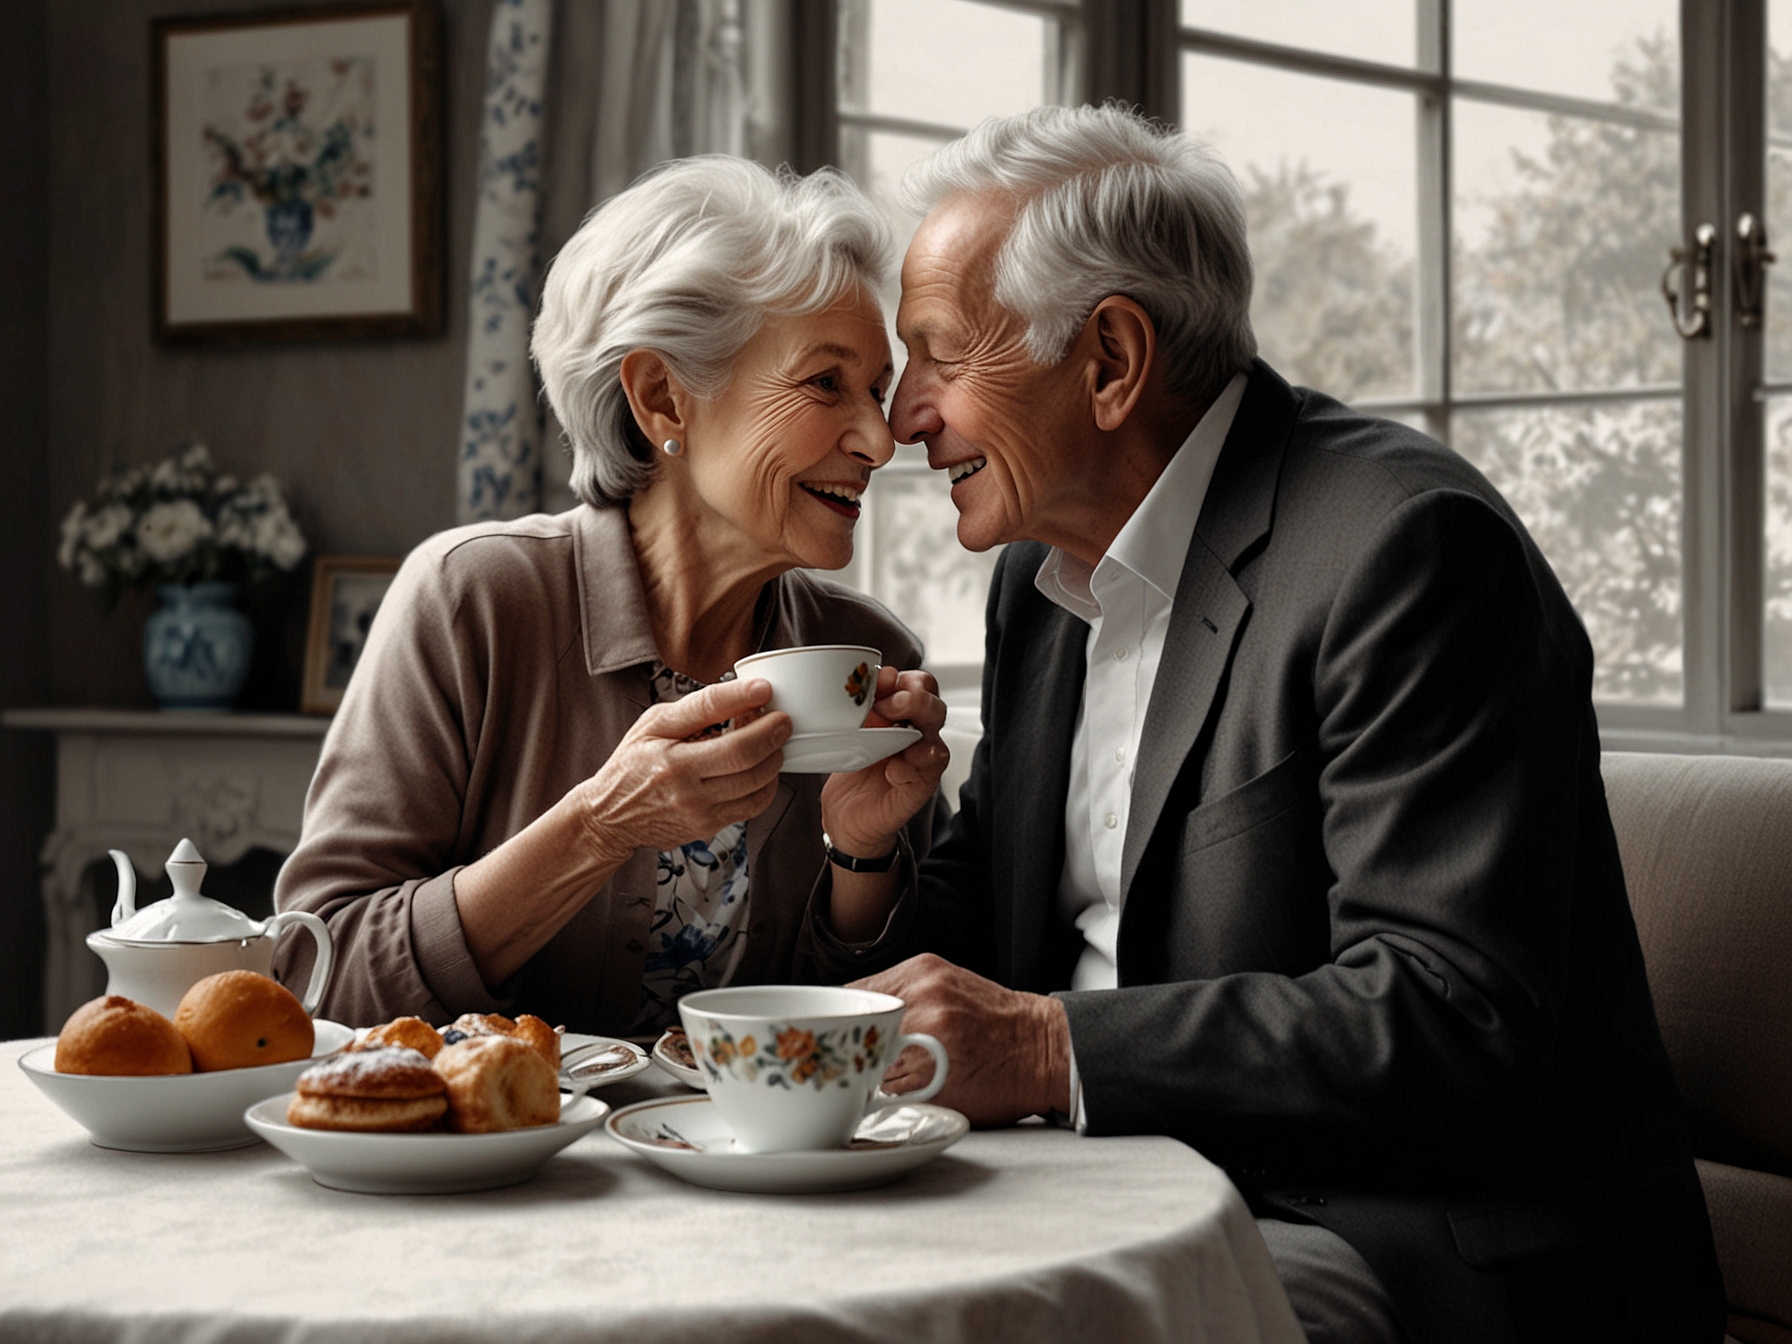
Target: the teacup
pixel 796 1067
pixel 825 688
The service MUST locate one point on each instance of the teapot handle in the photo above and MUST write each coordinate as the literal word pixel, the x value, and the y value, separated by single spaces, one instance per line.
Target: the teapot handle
pixel 126 904
pixel 320 971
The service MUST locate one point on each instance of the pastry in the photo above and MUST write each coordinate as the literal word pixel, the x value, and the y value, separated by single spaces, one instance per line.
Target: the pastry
pixel 238 1019
pixel 413 1032
pixel 529 1029
pixel 389 1089
pixel 496 1083
pixel 115 1035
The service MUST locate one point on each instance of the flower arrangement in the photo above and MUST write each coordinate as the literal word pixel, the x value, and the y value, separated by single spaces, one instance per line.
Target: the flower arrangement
pixel 179 522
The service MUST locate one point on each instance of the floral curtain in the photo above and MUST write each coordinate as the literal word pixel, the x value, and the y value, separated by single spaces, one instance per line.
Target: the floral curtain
pixel 632 83
pixel 500 449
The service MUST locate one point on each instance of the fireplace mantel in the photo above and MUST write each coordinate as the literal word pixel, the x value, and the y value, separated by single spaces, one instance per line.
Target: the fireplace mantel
pixel 139 780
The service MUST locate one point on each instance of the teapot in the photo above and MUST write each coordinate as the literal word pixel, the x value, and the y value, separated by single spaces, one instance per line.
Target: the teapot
pixel 154 955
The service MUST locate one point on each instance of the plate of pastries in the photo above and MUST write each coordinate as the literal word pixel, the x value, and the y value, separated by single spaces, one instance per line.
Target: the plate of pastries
pixel 140 1081
pixel 409 1108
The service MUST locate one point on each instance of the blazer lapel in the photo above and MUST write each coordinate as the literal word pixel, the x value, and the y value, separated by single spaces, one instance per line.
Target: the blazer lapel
pixel 1035 764
pixel 1210 608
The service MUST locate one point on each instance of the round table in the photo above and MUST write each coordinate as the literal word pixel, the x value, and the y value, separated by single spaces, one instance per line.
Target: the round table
pixel 1031 1233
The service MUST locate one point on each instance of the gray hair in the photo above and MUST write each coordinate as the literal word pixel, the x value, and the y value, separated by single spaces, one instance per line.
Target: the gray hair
pixel 1110 203
pixel 689 262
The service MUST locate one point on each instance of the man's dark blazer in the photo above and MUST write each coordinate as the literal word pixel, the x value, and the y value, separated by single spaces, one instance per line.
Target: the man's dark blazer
pixel 1375 956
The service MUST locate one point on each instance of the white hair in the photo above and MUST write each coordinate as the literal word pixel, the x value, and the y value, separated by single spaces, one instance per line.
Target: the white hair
pixel 689 262
pixel 1110 203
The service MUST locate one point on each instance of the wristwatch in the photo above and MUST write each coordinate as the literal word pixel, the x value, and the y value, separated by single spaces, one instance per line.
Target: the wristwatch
pixel 853 865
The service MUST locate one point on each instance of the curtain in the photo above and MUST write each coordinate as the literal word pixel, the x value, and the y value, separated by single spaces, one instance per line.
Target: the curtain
pixel 626 85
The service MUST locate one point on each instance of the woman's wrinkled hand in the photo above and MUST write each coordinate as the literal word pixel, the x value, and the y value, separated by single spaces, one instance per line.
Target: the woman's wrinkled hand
pixel 862 812
pixel 668 783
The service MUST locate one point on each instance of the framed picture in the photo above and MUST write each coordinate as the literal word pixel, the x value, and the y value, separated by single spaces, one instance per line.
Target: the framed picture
pixel 346 590
pixel 297 170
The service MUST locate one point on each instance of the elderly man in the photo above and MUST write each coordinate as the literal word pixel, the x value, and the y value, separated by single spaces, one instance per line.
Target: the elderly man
pixel 1286 834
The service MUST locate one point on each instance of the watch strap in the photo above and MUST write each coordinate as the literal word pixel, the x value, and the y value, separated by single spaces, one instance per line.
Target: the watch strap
pixel 855 865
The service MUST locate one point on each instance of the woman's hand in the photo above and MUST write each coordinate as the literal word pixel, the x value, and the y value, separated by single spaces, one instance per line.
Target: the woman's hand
pixel 659 789
pixel 863 812
pixel 667 784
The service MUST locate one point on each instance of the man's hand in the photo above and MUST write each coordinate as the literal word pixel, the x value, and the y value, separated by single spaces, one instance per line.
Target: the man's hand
pixel 1009 1052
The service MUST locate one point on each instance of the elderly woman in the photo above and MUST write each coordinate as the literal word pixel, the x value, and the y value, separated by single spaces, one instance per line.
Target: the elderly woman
pixel 525 801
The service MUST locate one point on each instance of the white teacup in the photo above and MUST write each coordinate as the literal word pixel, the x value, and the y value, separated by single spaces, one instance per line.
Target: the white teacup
pixel 795 1067
pixel 825 688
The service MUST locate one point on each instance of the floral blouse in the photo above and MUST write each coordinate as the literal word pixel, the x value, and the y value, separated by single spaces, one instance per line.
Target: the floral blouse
pixel 699 923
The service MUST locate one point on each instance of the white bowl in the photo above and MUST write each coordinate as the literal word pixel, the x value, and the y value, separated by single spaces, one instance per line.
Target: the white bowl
pixel 423 1164
pixel 173 1113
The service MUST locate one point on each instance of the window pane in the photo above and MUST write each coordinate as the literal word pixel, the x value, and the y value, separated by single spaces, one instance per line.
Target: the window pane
pixel 1562 228
pixel 1599 489
pixel 1776 635
pixel 1625 51
pixel 919 570
pixel 1779 186
pixel 1371 30
pixel 1328 171
pixel 1779 68
pixel 946 61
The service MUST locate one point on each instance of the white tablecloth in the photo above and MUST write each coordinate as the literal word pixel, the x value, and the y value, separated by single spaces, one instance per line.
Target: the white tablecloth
pixel 1029 1233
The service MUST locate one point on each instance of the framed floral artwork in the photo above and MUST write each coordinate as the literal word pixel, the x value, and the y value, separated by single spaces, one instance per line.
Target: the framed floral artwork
pixel 346 591
pixel 297 172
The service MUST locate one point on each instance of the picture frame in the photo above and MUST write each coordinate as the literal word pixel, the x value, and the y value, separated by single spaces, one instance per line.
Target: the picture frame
pixel 284 207
pixel 346 591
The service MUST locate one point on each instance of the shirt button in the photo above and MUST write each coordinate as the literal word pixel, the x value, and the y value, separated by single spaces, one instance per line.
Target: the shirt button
pixel 1120 654
pixel 1120 755
pixel 1111 821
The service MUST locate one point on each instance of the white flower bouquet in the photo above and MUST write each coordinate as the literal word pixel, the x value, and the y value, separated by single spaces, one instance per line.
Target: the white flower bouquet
pixel 179 522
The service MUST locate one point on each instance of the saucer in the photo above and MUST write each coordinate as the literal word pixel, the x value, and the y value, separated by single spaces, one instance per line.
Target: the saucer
pixel 837 753
pixel 172 1113
pixel 688 1137
pixel 685 1073
pixel 423 1164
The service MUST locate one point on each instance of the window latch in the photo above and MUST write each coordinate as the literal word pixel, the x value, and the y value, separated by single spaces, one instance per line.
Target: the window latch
pixel 1752 261
pixel 1691 316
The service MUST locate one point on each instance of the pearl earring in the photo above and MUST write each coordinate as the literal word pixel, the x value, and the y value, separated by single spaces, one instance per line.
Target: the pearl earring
pixel 671 447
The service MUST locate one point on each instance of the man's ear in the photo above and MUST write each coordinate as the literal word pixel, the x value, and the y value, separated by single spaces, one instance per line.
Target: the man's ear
pixel 655 396
pixel 1121 345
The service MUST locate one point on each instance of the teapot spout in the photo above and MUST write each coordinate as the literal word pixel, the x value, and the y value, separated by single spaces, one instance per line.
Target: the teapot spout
pixel 126 904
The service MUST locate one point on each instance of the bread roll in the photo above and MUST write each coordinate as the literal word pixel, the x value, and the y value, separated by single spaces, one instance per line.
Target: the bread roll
pixel 389 1089
pixel 238 1019
pixel 497 1083
pixel 117 1036
pixel 412 1032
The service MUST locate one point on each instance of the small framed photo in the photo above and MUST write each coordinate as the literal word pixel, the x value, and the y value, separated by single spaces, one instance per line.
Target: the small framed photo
pixel 346 590
pixel 297 170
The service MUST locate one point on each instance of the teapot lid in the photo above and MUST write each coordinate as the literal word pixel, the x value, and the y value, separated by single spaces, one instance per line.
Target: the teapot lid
pixel 186 916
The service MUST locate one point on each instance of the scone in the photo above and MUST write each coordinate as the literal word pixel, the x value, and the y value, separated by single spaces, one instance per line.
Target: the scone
pixel 497 1083
pixel 238 1019
pixel 412 1032
pixel 389 1089
pixel 529 1029
pixel 120 1037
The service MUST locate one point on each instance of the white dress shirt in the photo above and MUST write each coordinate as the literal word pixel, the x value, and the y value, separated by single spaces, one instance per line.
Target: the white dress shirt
pixel 1126 600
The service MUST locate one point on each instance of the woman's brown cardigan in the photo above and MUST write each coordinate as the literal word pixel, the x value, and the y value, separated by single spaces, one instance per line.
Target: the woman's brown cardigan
pixel 506 663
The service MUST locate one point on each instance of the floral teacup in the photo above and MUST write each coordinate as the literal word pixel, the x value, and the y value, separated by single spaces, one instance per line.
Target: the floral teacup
pixel 795 1067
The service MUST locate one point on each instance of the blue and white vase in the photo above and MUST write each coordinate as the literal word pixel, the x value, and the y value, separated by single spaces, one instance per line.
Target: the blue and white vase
pixel 197 646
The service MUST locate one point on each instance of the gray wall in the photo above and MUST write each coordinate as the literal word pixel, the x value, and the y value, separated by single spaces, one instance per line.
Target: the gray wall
pixel 362 434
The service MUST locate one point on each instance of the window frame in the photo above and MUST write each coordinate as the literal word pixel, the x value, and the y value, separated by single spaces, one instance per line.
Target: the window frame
pixel 1132 50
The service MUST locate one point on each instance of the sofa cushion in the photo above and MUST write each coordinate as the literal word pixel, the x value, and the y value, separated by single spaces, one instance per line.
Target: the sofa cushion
pixel 1751 1220
pixel 1706 843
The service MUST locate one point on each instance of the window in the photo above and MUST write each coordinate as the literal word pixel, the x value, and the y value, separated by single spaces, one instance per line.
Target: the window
pixel 1461 211
pixel 914 74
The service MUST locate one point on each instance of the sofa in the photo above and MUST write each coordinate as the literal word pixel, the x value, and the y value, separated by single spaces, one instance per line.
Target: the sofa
pixel 1707 849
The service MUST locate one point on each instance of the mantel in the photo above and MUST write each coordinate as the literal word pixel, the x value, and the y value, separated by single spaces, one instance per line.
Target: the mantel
pixel 140 780
pixel 170 723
